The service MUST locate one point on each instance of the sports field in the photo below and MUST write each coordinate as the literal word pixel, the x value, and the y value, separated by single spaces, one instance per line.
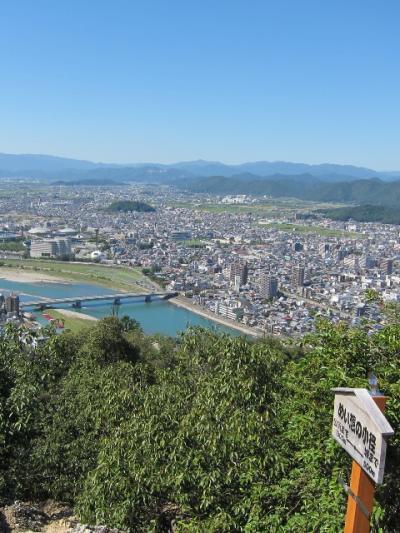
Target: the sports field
pixel 271 207
pixel 319 230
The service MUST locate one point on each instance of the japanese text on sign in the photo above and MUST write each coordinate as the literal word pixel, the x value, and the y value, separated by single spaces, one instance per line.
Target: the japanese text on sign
pixel 357 427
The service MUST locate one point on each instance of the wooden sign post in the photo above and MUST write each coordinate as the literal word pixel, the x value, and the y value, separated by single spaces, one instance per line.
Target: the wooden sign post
pixel 361 429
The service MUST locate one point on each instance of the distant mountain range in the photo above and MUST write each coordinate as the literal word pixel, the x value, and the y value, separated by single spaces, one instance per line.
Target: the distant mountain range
pixel 325 182
pixel 326 171
pixel 61 168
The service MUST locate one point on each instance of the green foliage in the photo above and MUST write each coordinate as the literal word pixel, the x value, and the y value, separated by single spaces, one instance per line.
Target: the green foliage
pixel 366 213
pixel 151 273
pixel 206 446
pixel 318 230
pixel 145 245
pixel 14 246
pixel 129 323
pixel 373 192
pixel 126 206
pixel 212 432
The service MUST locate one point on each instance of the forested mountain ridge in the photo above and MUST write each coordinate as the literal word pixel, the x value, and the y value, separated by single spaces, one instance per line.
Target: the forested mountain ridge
pixel 210 432
pixel 371 191
pixel 365 213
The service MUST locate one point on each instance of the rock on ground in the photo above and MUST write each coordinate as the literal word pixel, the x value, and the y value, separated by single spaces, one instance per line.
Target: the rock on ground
pixel 47 517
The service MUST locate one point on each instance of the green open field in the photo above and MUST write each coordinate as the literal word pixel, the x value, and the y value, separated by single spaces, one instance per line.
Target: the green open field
pixel 70 323
pixel 272 207
pixel 7 193
pixel 113 277
pixel 11 189
pixel 237 209
pixel 195 243
pixel 319 230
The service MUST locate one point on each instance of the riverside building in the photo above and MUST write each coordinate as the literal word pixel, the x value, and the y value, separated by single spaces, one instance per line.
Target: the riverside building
pixel 51 248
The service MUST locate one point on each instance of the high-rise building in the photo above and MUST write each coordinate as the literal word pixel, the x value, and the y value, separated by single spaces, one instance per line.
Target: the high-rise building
pixel 268 285
pixel 352 262
pixel 323 248
pixel 241 269
pixel 386 265
pixel 298 276
pixel 367 261
pixel 237 283
pixel 12 304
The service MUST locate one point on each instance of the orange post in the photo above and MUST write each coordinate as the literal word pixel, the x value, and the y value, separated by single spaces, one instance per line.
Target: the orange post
pixel 361 494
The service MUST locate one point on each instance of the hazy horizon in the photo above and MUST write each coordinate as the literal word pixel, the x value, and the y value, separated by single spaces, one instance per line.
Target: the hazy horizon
pixel 198 159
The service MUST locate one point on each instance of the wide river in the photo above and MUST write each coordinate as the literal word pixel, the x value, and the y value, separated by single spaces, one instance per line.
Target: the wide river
pixel 156 317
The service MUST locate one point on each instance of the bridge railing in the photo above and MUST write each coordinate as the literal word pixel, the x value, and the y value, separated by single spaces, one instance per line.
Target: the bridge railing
pixel 55 301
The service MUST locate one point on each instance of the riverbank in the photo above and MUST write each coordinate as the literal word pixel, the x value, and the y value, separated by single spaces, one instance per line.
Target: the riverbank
pixel 30 276
pixel 74 314
pixel 116 277
pixel 71 320
pixel 182 301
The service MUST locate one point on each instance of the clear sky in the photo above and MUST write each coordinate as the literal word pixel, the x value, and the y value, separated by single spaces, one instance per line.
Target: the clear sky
pixel 231 80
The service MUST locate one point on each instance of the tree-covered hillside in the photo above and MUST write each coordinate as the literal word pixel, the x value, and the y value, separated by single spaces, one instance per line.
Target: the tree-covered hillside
pixel 366 213
pixel 306 187
pixel 125 206
pixel 209 432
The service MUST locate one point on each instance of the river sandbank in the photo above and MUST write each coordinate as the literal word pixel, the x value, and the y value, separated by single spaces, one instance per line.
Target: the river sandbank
pixel 182 301
pixel 29 276
pixel 74 314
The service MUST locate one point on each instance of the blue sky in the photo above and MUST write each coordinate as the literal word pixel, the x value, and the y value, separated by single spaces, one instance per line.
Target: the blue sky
pixel 231 80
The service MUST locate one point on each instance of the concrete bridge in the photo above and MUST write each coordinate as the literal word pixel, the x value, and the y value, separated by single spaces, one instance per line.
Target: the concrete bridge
pixel 116 299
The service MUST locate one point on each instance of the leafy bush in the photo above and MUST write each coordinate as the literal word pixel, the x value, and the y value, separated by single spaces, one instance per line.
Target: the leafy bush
pixel 211 432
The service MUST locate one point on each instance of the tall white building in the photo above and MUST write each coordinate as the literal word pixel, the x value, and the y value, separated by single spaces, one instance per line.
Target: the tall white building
pixel 51 248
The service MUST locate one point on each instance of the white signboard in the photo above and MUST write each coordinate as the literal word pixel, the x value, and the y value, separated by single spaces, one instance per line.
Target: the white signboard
pixel 361 429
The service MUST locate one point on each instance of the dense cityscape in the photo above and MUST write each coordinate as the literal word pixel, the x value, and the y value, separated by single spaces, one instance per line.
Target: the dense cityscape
pixel 271 266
